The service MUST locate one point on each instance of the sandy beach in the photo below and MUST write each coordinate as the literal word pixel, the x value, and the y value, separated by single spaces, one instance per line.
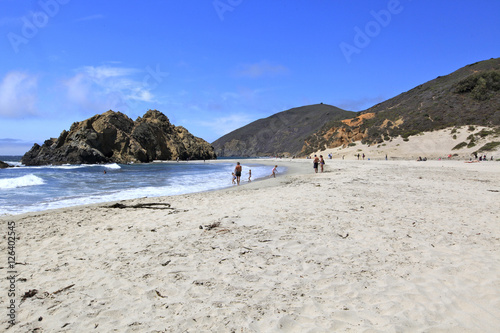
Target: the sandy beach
pixel 366 246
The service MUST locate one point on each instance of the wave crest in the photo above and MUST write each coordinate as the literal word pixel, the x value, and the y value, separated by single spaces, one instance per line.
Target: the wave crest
pixel 27 180
pixel 112 166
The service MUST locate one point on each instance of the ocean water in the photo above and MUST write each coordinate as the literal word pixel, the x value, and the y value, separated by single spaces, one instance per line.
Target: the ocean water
pixel 29 189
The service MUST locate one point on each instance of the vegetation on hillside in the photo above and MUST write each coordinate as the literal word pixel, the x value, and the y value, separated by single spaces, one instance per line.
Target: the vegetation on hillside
pixel 481 86
pixel 468 96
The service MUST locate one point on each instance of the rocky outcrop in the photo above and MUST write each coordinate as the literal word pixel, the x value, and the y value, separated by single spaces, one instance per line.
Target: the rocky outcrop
pixel 4 165
pixel 341 136
pixel 112 137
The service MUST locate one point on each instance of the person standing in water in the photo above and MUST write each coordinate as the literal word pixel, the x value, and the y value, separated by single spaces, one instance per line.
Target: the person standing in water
pixel 315 163
pixel 237 172
pixel 321 162
pixel 249 175
pixel 275 171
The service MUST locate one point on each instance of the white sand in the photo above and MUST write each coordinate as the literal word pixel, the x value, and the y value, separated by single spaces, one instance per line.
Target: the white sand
pixel 368 246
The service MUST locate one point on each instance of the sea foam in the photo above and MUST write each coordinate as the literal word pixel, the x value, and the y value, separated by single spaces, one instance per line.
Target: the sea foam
pixel 112 166
pixel 27 180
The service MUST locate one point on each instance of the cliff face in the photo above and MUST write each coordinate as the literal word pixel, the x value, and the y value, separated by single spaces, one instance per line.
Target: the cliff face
pixel 114 137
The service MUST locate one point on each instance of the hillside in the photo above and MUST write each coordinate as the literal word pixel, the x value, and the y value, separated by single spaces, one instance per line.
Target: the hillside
pixel 280 134
pixel 468 96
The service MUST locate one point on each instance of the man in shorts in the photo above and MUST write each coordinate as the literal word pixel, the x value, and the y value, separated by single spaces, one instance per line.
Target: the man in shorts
pixel 237 172
pixel 315 163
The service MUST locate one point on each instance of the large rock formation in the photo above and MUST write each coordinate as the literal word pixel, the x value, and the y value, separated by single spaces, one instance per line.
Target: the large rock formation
pixel 114 137
pixel 3 165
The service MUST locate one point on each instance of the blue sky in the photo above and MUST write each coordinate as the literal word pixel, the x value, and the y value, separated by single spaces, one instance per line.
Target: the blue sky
pixel 213 66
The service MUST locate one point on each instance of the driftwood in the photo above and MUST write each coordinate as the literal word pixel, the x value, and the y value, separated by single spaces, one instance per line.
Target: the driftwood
pixel 151 205
pixel 30 293
pixel 63 289
pixel 212 226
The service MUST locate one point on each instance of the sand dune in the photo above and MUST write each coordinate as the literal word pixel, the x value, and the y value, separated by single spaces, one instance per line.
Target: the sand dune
pixel 368 246
pixel 433 145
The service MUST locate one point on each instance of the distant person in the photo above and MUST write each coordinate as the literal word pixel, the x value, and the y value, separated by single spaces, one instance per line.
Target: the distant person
pixel 274 172
pixel 315 163
pixel 321 162
pixel 237 172
pixel 386 157
pixel 233 177
pixel 249 175
pixel 363 156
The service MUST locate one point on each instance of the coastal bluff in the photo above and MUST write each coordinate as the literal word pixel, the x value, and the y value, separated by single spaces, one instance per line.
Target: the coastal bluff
pixel 112 137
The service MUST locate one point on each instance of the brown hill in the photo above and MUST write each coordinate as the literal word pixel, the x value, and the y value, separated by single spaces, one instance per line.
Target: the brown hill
pixel 468 96
pixel 280 134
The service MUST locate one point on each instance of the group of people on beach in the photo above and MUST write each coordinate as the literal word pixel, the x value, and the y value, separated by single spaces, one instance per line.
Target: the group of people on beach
pixel 236 175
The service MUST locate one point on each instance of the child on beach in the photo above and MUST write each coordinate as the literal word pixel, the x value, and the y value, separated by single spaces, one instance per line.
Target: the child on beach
pixel 275 170
pixel 233 177
pixel 249 175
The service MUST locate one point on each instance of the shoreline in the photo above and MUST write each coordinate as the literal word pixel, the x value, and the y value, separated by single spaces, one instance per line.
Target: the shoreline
pixel 366 245
pixel 294 167
pixel 254 161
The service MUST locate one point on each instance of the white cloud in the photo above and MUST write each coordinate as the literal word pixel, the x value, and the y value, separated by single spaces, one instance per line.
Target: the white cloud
pixel 99 88
pixel 101 73
pixel 18 95
pixel 261 69
pixel 14 146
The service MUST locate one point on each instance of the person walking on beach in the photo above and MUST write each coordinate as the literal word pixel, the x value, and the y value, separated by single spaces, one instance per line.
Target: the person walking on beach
pixel 321 162
pixel 249 175
pixel 315 163
pixel 237 172
pixel 275 171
